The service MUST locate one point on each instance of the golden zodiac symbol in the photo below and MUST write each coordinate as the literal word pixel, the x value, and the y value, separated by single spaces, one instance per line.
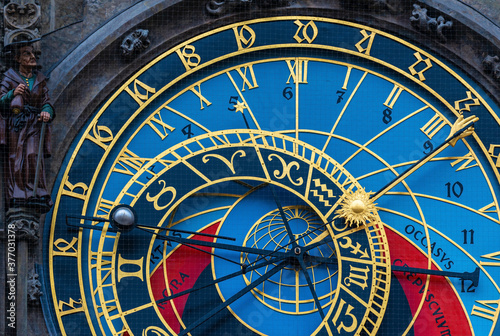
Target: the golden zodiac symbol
pixel 241 152
pixel 324 188
pixel 286 170
pixel 164 190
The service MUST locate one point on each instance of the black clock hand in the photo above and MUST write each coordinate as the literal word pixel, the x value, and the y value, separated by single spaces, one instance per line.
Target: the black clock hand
pixel 300 258
pixel 474 276
pixel 184 231
pixel 461 128
pixel 233 298
pixel 223 246
pixel 221 279
pixel 201 250
pixel 283 217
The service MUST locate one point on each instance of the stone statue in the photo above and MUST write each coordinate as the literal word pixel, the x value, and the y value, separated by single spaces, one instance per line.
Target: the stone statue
pixel 26 112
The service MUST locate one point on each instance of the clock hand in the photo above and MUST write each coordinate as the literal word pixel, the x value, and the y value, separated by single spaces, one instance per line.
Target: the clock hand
pixel 223 246
pixel 123 218
pixel 185 231
pixel 244 270
pixel 233 298
pixel 283 217
pixel 474 276
pixel 460 129
pixel 303 267
pixel 201 250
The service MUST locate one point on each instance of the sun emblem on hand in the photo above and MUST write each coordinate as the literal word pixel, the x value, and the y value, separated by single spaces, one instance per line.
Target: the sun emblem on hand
pixel 357 208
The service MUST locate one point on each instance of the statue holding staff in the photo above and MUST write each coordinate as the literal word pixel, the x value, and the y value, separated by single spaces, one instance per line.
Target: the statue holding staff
pixel 26 111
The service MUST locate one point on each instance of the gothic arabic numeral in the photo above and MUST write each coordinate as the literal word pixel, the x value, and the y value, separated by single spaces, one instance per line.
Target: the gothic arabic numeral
pixel 456 189
pixel 465 232
pixel 140 97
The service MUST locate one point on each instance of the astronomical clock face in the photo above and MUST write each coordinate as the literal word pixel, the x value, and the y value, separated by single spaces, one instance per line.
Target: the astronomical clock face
pixel 282 176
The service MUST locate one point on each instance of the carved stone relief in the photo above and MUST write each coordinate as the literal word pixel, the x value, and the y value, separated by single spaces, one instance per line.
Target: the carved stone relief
pixel 34 288
pixel 22 20
pixel 220 7
pixel 427 24
pixel 135 42
pixel 491 65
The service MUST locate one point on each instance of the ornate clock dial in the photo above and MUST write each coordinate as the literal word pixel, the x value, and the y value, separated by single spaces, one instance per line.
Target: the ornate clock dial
pixel 240 171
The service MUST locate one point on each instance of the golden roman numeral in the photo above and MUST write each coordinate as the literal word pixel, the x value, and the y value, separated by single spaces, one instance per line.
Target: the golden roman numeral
pixel 140 97
pixel 434 125
pixel 365 50
pixel 104 268
pixel 346 79
pixel 203 100
pixel 298 71
pixel 491 256
pixel 393 96
pixel 105 207
pixel 469 158
pixel 129 162
pixel 66 249
pixel 164 130
pixel 490 312
pixel 241 40
pixel 491 208
pixel 251 83
pixel 189 58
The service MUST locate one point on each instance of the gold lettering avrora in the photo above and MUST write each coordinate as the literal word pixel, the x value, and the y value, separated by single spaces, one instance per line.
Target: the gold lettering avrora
pixel 228 163
pixel 286 170
pixel 302 33
pixel 138 96
pixel 164 190
pixel 242 41
pixel 188 57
